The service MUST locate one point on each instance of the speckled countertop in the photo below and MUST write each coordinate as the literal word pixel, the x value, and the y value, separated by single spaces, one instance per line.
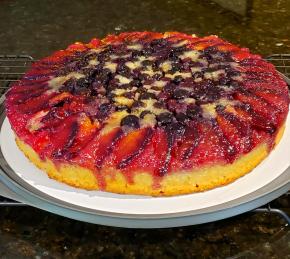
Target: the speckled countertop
pixel 37 28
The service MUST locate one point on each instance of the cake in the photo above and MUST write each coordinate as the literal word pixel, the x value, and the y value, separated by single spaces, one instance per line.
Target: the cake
pixel 149 113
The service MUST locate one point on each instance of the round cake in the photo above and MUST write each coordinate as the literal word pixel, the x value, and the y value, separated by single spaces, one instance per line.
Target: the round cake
pixel 149 113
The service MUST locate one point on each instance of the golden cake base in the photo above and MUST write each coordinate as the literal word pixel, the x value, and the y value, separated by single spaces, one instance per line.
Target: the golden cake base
pixel 172 184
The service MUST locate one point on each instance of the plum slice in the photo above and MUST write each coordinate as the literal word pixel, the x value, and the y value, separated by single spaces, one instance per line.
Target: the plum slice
pixel 209 148
pixel 71 136
pixel 259 105
pixel 93 153
pixel 237 133
pixel 161 152
pixel 106 145
pixel 275 98
pixel 188 143
pixel 29 86
pixel 36 104
pixel 64 137
pixel 24 97
pixel 86 131
pixel 255 120
pixel 230 151
pixel 130 146
pixel 172 133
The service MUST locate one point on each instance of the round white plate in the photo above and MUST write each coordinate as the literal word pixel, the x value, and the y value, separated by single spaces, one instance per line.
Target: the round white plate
pixel 272 167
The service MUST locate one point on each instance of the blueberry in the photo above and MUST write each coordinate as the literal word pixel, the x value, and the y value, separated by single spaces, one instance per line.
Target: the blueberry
pixel 232 73
pixel 180 93
pixel 155 65
pixel 226 56
pixel 143 77
pixel 72 66
pixel 137 104
pixel 103 56
pixel 157 76
pixel 175 67
pixel 131 121
pixel 164 118
pixel 159 105
pixel 193 112
pixel 181 117
pixel 208 57
pixel 103 76
pixel 129 95
pixel 123 70
pixel 173 57
pixel 159 43
pixel 82 82
pixel 136 82
pixel 222 66
pixel 104 108
pixel 197 75
pixel 169 88
pixel 83 91
pixel 147 63
pixel 146 52
pixel 175 129
pixel 177 80
pixel 90 56
pixel 71 85
pixel 210 50
pixel 146 95
pixel 224 81
pixel 220 108
pixel 179 50
pixel 211 69
pixel 136 53
pixel 111 95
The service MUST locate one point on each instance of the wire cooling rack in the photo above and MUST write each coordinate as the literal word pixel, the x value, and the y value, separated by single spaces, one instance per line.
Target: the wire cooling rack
pixel 12 67
pixel 281 62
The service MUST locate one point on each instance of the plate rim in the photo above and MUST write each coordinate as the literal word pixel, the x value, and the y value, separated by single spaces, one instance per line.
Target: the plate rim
pixel 259 193
pixel 109 220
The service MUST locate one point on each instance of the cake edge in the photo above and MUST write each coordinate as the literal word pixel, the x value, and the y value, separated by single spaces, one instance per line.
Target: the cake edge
pixel 176 183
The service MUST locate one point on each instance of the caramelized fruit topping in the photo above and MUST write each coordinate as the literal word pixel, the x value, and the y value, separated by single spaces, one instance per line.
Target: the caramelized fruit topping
pixel 180 101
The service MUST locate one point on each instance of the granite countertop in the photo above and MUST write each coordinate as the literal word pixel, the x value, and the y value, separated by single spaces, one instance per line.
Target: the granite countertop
pixel 37 28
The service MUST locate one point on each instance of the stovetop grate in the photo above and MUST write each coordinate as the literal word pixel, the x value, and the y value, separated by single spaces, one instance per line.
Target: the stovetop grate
pixel 12 68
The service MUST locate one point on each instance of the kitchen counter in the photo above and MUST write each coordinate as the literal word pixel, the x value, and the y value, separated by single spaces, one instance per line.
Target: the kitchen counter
pixel 31 233
pixel 37 28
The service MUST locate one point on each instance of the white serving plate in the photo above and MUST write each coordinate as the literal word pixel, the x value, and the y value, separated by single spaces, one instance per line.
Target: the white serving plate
pixel 116 205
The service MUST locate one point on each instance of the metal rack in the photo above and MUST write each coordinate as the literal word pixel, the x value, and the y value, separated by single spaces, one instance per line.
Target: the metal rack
pixel 12 67
pixel 281 62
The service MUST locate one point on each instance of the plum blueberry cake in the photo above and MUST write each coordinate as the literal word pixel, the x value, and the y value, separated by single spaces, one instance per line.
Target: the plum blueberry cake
pixel 149 113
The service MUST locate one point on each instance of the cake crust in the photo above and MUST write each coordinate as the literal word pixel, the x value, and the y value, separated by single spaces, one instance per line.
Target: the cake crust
pixel 149 113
